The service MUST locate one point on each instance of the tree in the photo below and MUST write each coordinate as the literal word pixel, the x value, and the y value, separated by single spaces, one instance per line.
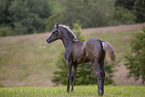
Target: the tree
pixel 4 11
pixel 128 4
pixel 24 16
pixel 85 73
pixel 136 61
pixel 139 10
pixel 51 20
pixel 87 13
pixel 120 15
pixel 30 13
pixel 136 6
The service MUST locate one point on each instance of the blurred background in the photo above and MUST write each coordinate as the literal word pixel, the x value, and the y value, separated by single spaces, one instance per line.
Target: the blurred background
pixel 27 60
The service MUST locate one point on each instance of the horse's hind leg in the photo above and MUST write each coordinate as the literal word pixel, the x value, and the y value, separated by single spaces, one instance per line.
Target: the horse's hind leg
pixel 99 77
pixel 101 63
pixel 103 77
pixel 69 67
pixel 74 75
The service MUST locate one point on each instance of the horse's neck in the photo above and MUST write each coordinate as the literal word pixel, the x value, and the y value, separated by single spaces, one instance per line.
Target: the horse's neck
pixel 66 39
pixel 67 42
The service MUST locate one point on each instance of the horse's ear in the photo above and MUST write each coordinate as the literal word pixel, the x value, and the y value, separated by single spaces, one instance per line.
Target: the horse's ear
pixel 57 25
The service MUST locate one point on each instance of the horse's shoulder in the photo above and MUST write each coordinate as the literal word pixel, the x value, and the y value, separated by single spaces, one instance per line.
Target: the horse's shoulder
pixel 68 52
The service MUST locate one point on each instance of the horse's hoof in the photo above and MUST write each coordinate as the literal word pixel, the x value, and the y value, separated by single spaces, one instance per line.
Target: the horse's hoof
pixel 100 94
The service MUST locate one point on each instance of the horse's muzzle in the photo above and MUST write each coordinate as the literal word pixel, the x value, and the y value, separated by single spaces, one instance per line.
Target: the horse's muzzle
pixel 48 41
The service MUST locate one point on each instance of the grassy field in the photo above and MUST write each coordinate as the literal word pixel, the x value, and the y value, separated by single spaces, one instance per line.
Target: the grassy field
pixel 28 60
pixel 80 91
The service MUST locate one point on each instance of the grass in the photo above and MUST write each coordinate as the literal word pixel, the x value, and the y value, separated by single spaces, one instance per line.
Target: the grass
pixel 80 91
pixel 21 59
pixel 28 60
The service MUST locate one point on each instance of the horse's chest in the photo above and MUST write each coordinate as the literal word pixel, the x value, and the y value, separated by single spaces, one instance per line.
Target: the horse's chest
pixel 69 54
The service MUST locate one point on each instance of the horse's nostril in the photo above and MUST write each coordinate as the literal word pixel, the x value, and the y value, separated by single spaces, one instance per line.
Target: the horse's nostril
pixel 47 40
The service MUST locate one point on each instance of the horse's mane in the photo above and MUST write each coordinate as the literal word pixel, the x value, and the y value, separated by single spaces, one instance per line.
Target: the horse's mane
pixel 69 30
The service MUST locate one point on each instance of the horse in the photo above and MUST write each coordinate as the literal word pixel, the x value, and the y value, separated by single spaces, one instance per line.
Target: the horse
pixel 93 50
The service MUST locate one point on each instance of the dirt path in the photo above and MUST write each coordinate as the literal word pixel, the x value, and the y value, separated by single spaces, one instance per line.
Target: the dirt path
pixel 113 29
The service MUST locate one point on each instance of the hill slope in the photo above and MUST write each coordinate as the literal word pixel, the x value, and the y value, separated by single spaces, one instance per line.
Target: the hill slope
pixel 28 60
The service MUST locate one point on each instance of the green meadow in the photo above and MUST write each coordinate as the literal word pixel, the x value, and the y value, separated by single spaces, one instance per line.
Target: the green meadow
pixel 80 91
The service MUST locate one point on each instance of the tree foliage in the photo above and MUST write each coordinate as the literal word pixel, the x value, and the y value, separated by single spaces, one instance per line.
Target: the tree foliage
pixel 88 14
pixel 125 3
pixel 136 6
pixel 136 61
pixel 91 13
pixel 51 20
pixel 24 16
pixel 85 72
pixel 120 16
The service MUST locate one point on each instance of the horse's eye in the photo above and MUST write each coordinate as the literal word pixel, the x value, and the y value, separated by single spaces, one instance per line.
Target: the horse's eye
pixel 53 32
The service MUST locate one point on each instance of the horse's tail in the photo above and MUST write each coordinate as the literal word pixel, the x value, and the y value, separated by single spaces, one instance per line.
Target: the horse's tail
pixel 108 48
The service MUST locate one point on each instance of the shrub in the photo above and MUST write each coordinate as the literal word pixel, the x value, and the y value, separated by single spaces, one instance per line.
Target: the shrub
pixel 51 20
pixel 136 61
pixel 5 31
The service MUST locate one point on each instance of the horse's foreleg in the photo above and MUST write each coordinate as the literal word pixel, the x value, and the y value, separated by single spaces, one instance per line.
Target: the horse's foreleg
pixel 99 77
pixel 69 67
pixel 74 75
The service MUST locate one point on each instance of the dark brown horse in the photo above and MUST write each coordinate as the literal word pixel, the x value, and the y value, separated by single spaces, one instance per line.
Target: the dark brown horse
pixel 93 50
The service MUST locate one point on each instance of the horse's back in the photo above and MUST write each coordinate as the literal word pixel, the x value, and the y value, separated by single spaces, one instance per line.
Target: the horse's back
pixel 93 48
pixel 87 51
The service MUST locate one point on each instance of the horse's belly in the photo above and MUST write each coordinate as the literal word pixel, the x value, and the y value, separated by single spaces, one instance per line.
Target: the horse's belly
pixel 82 60
pixel 81 56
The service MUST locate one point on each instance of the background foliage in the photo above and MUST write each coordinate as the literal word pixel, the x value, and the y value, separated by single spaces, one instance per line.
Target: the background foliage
pixel 23 16
pixel 135 6
pixel 27 16
pixel 91 13
pixel 136 61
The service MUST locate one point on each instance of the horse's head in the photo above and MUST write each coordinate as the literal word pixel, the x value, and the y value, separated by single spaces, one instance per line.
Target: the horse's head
pixel 55 34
